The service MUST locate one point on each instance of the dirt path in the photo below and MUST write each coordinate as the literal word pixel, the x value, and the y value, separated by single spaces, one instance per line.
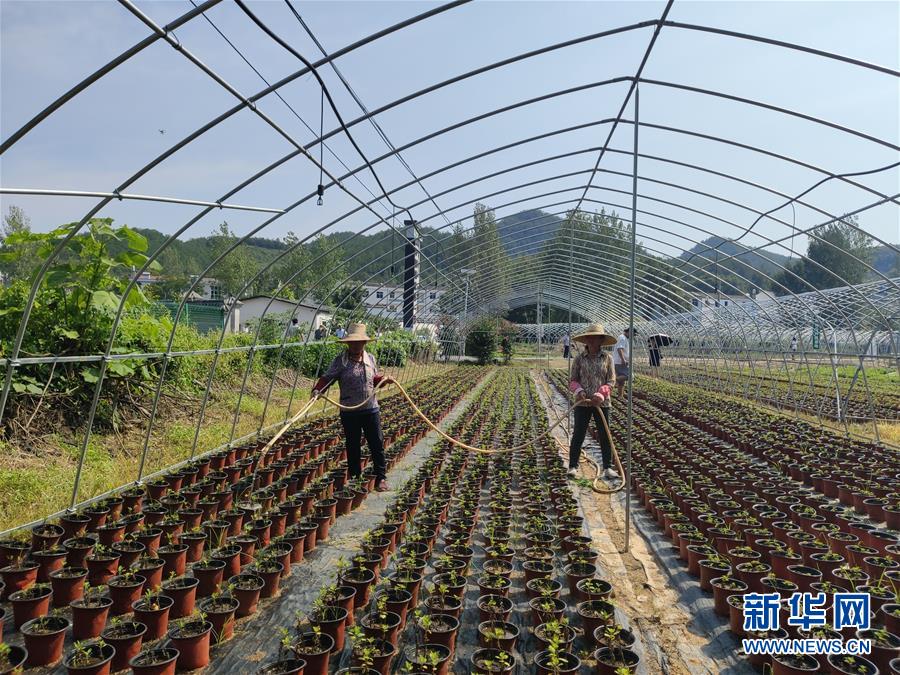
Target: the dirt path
pixel 656 604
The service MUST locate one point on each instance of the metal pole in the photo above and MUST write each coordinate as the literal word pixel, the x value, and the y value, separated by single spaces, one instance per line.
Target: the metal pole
pixel 538 317
pixel 462 339
pixel 628 424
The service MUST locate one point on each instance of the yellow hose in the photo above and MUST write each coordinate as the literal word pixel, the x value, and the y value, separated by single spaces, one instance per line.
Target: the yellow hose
pixel 455 441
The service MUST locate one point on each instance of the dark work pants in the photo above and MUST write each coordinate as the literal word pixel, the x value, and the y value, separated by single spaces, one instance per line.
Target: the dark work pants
pixel 583 415
pixel 356 424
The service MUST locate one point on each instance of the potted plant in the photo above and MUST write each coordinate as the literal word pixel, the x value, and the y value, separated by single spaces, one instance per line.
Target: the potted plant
pixel 44 639
pixel 845 664
pixel 220 609
pixel 793 664
pixel 378 622
pixel 329 616
pixel 124 589
pixel 152 610
pixel 155 662
pixel 30 603
pixel 369 653
pixel 67 584
pixel 885 647
pixel 438 629
pixel 314 647
pixel 246 589
pixel 126 637
pixel 183 591
pixel 90 658
pixel 490 661
pixel 190 636
pixel 89 612
pixel 614 657
pixel 11 658
pixel 18 575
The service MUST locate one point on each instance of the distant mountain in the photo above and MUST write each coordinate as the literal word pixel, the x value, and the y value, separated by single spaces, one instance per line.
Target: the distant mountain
pixel 737 264
pixel 526 232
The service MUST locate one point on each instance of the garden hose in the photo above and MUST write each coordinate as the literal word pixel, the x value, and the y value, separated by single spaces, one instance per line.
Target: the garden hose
pixel 595 484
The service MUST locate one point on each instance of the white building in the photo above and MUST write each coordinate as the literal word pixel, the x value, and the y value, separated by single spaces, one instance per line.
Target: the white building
pixel 706 304
pixel 387 301
pixel 255 307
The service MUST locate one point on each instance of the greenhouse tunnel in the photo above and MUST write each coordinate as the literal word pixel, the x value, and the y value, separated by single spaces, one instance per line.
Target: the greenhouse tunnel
pixel 199 210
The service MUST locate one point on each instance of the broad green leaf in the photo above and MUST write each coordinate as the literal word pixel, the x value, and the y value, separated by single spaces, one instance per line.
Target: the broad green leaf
pixel 104 301
pixel 120 368
pixel 90 374
pixel 136 241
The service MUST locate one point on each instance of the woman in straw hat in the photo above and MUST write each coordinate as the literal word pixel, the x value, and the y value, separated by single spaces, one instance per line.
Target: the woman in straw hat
pixel 592 378
pixel 357 376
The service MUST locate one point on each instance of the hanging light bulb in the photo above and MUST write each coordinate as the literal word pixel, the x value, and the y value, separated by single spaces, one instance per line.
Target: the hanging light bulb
pixel 321 192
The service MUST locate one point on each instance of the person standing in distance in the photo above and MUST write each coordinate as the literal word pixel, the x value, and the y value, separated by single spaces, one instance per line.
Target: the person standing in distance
pixel 357 375
pixel 622 360
pixel 567 346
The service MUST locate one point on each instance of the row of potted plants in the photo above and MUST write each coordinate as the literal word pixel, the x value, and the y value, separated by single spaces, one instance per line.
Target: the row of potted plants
pixel 746 514
pixel 289 498
pixel 507 524
pixel 858 404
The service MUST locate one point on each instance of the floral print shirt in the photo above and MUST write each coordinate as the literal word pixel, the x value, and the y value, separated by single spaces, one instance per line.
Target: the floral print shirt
pixel 592 372
pixel 357 379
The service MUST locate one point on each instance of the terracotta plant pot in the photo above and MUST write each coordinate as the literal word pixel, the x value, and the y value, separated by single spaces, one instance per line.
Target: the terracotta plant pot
pixel 127 638
pixel 315 650
pixel 44 639
pixel 123 591
pixel 94 658
pixel 153 612
pixel 89 616
pixel 220 613
pixel 68 585
pixel 332 621
pixel 183 591
pixel 30 603
pixel 246 589
pixel 284 667
pixel 210 574
pixel 155 662
pixel 102 568
pixel 542 667
pixel 18 577
pixel 191 639
pixel 609 660
pixel 15 659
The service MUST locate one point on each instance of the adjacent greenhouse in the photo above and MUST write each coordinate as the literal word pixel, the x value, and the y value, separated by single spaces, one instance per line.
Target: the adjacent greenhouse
pixel 202 204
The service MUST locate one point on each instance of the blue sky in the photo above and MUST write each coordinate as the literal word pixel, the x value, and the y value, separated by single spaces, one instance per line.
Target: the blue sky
pixel 111 130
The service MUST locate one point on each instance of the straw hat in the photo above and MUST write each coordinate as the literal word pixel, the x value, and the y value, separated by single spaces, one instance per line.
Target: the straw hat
pixel 356 333
pixel 596 330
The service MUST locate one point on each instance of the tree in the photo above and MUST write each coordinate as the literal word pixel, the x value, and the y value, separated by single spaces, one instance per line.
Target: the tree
pixel 16 228
pixel 237 267
pixel 328 267
pixel 488 257
pixel 349 297
pixel 482 338
pixel 837 256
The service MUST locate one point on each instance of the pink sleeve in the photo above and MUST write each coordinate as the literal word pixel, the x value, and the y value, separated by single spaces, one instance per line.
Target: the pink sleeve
pixel 575 387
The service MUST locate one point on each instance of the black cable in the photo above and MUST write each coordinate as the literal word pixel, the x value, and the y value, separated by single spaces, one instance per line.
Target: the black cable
pixel 372 120
pixel 282 99
pixel 306 62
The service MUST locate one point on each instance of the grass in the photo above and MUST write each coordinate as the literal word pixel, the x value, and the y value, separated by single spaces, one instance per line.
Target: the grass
pixel 38 480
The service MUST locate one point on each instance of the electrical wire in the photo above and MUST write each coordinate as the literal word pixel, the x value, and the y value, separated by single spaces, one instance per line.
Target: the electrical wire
pixel 306 62
pixel 283 100
pixel 372 120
